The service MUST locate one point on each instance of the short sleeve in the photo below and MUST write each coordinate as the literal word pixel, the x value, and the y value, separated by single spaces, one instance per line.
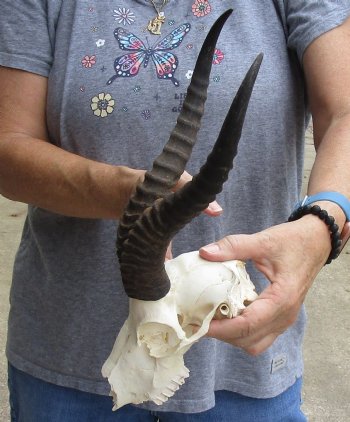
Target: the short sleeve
pixel 308 19
pixel 25 41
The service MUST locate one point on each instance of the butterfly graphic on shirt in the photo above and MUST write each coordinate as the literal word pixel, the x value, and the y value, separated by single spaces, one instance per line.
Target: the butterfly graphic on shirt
pixel 165 62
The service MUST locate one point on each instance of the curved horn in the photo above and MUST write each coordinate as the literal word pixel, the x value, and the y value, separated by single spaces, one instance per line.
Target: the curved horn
pixel 171 163
pixel 142 260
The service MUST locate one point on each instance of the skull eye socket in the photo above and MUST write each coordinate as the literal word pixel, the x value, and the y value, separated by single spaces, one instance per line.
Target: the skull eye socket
pixel 161 339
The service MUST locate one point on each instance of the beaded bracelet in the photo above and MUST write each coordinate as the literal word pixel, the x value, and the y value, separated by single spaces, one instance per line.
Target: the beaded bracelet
pixel 328 219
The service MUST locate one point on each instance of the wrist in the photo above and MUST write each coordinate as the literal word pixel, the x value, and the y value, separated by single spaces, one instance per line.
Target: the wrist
pixel 334 210
pixel 318 237
pixel 340 219
pixel 328 222
pixel 335 203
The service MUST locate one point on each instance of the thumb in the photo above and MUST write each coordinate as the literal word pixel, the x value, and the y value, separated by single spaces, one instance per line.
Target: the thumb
pixel 242 247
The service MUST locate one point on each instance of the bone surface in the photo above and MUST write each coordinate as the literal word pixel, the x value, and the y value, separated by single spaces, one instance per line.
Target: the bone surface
pixel 146 363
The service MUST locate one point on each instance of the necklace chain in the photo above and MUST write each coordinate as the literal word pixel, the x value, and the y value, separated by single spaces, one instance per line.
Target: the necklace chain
pixel 154 25
pixel 159 8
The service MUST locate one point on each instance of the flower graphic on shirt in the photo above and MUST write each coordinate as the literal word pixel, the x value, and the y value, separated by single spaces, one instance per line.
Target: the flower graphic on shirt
pixel 146 114
pixel 102 105
pixel 88 61
pixel 218 56
pixel 124 16
pixel 201 8
pixel 100 43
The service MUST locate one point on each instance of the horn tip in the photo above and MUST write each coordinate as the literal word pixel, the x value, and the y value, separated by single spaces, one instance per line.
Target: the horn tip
pixel 225 15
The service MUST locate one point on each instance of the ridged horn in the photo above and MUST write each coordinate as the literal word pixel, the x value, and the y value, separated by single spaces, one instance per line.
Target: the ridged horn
pixel 143 253
pixel 170 164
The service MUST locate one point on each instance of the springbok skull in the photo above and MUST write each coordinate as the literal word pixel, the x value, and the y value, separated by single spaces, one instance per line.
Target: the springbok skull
pixel 166 301
pixel 147 359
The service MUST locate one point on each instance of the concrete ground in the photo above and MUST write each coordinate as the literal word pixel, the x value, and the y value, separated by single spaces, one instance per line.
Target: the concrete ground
pixel 327 343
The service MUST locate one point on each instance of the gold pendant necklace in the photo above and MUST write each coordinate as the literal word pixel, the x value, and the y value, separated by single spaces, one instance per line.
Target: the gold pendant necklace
pixel 154 25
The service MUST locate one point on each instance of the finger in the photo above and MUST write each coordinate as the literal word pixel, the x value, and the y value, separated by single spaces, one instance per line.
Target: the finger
pixel 235 330
pixel 241 247
pixel 259 324
pixel 238 336
pixel 257 347
pixel 169 254
pixel 185 178
pixel 213 210
pixel 257 320
pixel 224 330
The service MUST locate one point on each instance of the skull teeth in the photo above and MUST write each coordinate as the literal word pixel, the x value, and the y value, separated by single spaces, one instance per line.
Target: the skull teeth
pixel 174 386
pixel 168 392
pixel 162 398
pixel 179 380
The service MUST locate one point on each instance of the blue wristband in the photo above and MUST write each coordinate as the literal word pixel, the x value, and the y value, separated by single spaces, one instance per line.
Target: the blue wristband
pixel 335 197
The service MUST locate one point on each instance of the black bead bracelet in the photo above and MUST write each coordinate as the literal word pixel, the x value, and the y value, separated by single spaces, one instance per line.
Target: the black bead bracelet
pixel 328 219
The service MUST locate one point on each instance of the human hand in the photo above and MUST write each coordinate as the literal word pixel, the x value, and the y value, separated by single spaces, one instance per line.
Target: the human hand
pixel 290 255
pixel 213 210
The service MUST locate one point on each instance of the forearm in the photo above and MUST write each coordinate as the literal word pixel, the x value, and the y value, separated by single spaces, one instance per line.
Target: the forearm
pixel 326 63
pixel 331 170
pixel 36 172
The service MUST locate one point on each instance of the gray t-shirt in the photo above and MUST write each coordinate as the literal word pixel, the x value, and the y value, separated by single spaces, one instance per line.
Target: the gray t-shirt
pixel 67 300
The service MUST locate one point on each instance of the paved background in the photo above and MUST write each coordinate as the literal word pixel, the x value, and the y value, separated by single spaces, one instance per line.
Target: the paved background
pixel 327 343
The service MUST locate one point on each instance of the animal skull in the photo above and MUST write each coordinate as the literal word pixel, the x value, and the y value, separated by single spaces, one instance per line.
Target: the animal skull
pixel 147 362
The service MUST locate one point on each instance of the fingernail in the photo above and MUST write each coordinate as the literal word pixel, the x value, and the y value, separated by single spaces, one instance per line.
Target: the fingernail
pixel 211 248
pixel 214 206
